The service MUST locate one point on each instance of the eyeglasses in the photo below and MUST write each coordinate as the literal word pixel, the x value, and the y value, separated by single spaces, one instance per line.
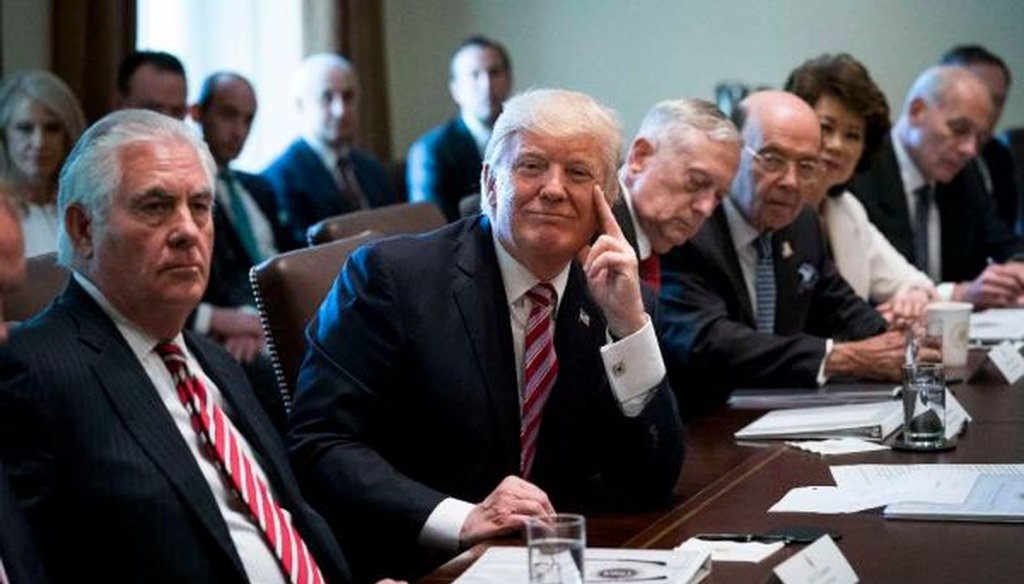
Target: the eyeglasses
pixel 806 168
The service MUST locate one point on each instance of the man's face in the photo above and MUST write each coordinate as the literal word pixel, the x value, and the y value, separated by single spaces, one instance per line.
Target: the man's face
pixel 777 131
pixel 480 82
pixel 227 119
pixel 541 197
pixel 675 189
pixel 157 90
pixel 153 252
pixel 12 257
pixel 329 106
pixel 998 86
pixel 35 141
pixel 944 136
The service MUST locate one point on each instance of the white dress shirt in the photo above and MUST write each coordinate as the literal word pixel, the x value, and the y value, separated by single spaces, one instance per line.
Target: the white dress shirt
pixel 743 237
pixel 643 243
pixel 258 559
pixel 912 180
pixel 633 366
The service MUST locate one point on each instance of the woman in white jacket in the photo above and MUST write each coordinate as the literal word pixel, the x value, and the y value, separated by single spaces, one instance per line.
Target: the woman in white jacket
pixel 854 121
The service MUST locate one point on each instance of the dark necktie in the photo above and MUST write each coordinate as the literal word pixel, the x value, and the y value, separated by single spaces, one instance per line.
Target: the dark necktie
pixel 650 271
pixel 540 369
pixel 347 183
pixel 764 284
pixel 221 437
pixel 921 211
pixel 240 218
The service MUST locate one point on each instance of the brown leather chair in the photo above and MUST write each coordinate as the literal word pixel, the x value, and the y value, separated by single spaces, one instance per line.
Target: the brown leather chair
pixel 388 220
pixel 44 280
pixel 289 288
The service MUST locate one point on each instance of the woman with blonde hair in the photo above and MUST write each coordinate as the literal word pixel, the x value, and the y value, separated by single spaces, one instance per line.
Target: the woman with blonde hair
pixel 40 120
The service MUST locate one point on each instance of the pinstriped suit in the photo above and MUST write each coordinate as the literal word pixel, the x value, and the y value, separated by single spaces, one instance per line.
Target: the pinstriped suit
pixel 97 460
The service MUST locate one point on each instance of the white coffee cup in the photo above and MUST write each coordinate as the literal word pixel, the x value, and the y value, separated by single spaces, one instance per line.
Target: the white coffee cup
pixel 951 322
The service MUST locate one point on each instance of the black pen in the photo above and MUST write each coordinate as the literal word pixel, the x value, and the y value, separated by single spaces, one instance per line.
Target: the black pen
pixel 745 537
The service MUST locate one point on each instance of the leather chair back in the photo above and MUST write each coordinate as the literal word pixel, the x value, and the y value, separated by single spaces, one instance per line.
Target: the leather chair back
pixel 44 280
pixel 289 289
pixel 389 220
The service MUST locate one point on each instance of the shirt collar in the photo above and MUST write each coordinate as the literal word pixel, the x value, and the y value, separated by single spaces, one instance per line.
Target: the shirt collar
pixel 518 280
pixel 643 243
pixel 742 232
pixel 481 134
pixel 140 342
pixel 909 173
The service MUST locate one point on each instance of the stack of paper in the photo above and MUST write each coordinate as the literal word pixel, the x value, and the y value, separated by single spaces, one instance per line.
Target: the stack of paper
pixel 873 421
pixel 997 324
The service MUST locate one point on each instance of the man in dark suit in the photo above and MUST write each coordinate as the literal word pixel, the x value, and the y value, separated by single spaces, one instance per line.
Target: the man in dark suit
pixel 443 166
pixel 322 173
pixel 995 161
pixel 137 448
pixel 461 381
pixel 931 204
pixel 679 167
pixel 753 299
pixel 19 561
pixel 248 228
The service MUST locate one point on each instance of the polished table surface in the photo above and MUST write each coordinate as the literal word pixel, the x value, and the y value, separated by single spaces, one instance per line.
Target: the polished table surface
pixel 728 487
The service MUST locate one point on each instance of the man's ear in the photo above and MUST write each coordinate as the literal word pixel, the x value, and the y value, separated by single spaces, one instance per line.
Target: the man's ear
pixel 490 195
pixel 639 153
pixel 916 112
pixel 78 224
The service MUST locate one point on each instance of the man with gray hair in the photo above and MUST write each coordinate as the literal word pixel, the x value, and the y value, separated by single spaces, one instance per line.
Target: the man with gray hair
pixel 514 347
pixel 322 173
pixel 136 447
pixel 679 167
pixel 931 205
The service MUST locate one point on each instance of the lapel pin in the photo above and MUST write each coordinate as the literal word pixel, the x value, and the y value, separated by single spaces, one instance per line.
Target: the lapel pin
pixel 787 250
pixel 584 318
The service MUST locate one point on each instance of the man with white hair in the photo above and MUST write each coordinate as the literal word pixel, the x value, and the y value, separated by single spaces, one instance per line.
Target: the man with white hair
pixel 931 205
pixel 322 173
pixel 137 448
pixel 679 167
pixel 462 381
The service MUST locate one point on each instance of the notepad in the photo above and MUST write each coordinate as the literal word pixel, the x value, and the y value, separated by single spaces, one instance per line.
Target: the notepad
pixel 872 421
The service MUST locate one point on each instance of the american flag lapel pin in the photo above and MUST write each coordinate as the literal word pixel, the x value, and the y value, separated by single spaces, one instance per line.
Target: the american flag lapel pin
pixel 584 317
pixel 787 250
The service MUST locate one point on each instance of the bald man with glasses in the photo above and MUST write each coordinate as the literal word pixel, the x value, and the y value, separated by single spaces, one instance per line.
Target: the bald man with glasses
pixel 753 300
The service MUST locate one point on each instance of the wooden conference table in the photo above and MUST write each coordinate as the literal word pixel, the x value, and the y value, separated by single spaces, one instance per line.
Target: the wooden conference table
pixel 728 487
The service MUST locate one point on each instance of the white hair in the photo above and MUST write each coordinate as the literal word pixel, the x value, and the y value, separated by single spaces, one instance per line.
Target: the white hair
pixel 314 67
pixel 673 122
pixel 92 172
pixel 556 113
pixel 935 84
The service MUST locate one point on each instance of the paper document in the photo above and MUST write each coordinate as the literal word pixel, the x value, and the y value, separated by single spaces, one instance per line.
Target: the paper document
pixel 732 551
pixel 997 324
pixel 837 446
pixel 997 498
pixel 508 565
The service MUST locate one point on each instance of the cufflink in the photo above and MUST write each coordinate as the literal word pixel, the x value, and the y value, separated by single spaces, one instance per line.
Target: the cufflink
pixel 619 369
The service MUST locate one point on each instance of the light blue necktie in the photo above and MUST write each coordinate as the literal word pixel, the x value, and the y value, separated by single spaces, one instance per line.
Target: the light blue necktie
pixel 240 219
pixel 764 284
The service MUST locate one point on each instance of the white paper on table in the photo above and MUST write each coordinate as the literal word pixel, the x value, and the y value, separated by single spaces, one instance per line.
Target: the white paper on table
pixel 838 446
pixel 822 499
pixel 956 416
pixel 997 324
pixel 875 476
pixel 732 551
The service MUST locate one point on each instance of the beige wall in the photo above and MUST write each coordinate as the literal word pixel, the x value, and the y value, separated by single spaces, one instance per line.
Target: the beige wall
pixel 632 53
pixel 25 34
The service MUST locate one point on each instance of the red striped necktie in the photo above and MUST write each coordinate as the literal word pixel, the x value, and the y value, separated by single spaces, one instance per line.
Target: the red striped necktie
pixel 218 433
pixel 650 271
pixel 540 365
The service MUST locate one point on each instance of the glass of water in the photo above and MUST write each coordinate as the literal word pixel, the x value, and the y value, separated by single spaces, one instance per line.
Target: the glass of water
pixel 924 405
pixel 555 549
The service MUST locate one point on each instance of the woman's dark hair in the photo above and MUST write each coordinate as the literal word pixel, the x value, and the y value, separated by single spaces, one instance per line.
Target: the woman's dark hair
pixel 843 77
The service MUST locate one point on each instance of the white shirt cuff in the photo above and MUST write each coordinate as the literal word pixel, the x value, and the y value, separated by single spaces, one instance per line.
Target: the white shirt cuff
pixel 822 378
pixel 634 366
pixel 201 323
pixel 945 290
pixel 441 530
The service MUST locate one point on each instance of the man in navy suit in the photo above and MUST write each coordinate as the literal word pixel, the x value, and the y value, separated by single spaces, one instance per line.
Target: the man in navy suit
pixel 443 166
pixel 322 173
pixel 417 428
pixel 753 300
pixel 102 444
pixel 931 203
pixel 248 228
pixel 19 561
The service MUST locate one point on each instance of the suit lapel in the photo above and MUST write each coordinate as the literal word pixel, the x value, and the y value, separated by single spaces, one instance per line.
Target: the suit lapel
pixel 723 253
pixel 787 279
pixel 144 416
pixel 625 219
pixel 480 295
